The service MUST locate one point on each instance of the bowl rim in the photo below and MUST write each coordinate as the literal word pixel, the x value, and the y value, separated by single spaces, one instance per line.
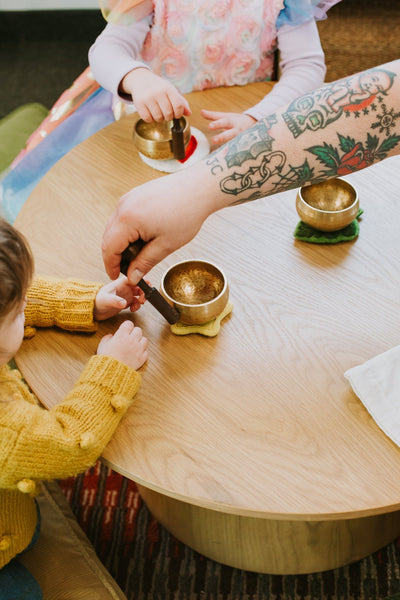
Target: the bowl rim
pixel 330 212
pixel 136 134
pixel 182 262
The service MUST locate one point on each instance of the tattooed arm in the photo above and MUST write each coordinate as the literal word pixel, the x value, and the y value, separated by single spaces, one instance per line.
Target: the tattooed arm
pixel 339 128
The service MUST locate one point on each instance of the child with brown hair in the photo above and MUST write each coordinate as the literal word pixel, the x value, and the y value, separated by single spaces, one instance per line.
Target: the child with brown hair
pixel 38 444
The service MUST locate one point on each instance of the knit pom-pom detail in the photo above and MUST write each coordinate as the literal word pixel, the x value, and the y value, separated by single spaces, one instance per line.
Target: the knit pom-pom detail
pixel 29 332
pixel 5 543
pixel 119 403
pixel 26 486
pixel 87 440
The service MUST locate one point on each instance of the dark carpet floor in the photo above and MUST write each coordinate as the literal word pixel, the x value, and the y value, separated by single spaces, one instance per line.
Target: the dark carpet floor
pixel 150 564
pixel 42 53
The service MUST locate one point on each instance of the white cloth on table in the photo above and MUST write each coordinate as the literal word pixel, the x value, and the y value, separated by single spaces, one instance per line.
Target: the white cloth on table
pixel 377 384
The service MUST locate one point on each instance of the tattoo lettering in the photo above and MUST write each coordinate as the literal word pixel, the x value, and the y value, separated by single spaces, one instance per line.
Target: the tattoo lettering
pixel 350 96
pixel 213 162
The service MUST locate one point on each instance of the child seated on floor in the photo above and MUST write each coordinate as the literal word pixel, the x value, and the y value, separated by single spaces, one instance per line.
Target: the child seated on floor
pixel 38 444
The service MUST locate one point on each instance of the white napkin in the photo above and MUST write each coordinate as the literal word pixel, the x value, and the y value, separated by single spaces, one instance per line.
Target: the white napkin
pixel 377 384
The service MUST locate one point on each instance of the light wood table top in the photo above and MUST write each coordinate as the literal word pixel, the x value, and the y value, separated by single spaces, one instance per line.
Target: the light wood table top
pixel 258 421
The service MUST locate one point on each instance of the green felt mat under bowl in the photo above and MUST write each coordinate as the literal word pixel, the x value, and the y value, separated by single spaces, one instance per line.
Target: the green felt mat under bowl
pixel 305 233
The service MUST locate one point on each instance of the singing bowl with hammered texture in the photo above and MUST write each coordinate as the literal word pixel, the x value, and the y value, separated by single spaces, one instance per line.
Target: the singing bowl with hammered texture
pixel 198 289
pixel 154 140
pixel 329 205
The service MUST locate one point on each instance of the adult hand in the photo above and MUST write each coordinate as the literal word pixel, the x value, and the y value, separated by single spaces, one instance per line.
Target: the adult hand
pixel 155 98
pixel 166 213
pixel 231 123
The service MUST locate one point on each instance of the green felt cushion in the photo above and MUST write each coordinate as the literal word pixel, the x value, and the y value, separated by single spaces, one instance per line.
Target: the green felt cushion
pixel 15 129
pixel 305 233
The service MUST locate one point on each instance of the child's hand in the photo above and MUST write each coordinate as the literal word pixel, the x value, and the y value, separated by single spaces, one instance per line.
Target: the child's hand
pixel 115 296
pixel 233 123
pixel 127 345
pixel 155 98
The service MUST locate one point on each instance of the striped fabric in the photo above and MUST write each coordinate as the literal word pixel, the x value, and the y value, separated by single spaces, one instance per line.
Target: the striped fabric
pixel 150 564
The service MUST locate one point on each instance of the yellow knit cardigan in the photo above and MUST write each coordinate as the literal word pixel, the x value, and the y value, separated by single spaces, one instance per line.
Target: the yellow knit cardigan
pixel 38 444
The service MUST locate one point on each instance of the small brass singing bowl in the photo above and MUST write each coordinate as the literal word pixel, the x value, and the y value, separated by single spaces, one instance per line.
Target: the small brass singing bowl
pixel 198 290
pixel 329 205
pixel 154 140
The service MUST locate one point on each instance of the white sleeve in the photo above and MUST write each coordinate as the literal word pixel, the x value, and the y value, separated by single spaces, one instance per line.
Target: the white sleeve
pixel 115 53
pixel 302 66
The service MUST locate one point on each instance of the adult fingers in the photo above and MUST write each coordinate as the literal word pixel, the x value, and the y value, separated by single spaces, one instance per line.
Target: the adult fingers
pixel 151 254
pixel 116 237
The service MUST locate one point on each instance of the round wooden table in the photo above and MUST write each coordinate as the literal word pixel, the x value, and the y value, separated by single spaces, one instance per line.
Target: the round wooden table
pixel 249 447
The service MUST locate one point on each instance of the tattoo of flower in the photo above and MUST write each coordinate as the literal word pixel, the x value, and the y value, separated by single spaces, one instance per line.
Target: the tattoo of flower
pixel 352 156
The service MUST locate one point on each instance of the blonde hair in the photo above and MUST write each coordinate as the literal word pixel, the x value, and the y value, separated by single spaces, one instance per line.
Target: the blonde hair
pixel 16 267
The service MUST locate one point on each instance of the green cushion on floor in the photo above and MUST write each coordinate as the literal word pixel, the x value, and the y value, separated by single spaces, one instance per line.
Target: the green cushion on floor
pixel 16 128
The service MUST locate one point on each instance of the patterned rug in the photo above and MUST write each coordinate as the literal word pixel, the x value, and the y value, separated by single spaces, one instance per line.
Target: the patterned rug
pixel 150 564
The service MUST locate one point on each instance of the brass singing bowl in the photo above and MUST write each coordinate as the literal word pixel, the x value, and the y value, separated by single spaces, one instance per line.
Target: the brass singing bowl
pixel 198 290
pixel 154 140
pixel 329 205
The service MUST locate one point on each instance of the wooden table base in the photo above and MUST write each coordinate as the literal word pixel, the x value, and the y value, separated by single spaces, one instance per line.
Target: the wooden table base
pixel 277 547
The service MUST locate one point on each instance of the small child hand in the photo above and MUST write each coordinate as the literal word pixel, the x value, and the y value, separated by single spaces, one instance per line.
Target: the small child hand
pixel 155 98
pixel 232 123
pixel 115 296
pixel 127 345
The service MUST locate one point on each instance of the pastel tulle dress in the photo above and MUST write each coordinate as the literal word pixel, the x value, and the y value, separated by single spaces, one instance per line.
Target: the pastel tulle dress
pixel 200 45
pixel 197 44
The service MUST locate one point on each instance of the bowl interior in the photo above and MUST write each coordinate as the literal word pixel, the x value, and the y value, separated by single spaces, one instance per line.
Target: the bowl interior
pixel 194 282
pixel 156 132
pixel 329 196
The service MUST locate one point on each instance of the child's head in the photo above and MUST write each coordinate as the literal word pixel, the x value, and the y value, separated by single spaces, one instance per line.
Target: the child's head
pixel 16 269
